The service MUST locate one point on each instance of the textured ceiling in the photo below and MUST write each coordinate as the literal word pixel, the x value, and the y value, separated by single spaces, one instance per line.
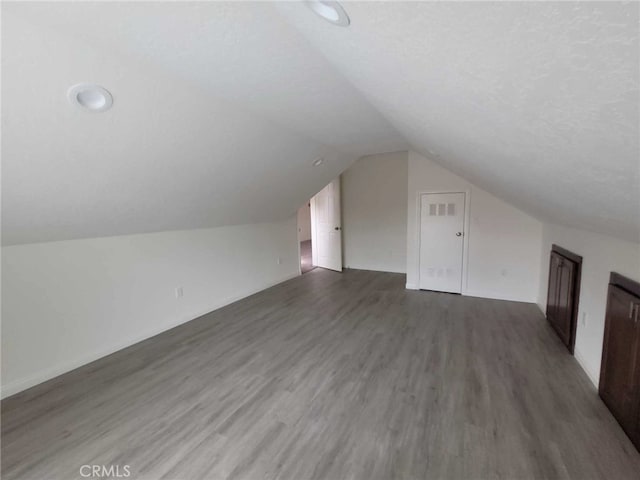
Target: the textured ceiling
pixel 220 108
pixel 536 102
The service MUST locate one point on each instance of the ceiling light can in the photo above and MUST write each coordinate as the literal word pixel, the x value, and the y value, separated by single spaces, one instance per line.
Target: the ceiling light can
pixel 90 97
pixel 331 11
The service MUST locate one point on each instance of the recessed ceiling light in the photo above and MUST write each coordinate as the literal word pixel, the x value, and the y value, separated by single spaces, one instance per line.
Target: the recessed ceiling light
pixel 91 98
pixel 330 11
pixel 318 162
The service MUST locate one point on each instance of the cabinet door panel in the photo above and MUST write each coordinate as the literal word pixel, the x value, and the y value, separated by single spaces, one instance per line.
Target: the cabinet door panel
pixel 561 303
pixel 552 296
pixel 635 433
pixel 619 372
pixel 564 310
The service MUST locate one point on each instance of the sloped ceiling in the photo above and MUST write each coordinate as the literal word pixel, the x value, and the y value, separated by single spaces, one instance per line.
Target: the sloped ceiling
pixel 219 111
pixel 537 102
pixel 220 108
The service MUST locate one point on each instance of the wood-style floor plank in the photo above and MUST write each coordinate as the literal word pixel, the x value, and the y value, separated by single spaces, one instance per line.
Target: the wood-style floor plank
pixel 328 376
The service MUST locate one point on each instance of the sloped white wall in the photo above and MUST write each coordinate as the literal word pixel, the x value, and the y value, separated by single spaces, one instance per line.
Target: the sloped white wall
pixel 504 243
pixel 374 213
pixel 601 255
pixel 68 303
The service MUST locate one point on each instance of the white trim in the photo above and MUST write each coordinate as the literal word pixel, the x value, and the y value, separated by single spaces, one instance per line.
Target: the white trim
pixel 578 356
pixel 369 268
pixel 581 361
pixel 466 233
pixel 492 296
pixel 411 286
pixel 52 372
pixel 314 231
pixel 332 189
pixel 298 247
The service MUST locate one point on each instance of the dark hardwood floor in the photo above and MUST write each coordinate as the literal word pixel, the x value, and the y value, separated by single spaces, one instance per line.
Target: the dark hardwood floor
pixel 328 376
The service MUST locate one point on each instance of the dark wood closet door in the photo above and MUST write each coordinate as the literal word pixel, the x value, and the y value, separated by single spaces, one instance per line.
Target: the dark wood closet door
pixel 553 298
pixel 564 311
pixel 562 297
pixel 620 371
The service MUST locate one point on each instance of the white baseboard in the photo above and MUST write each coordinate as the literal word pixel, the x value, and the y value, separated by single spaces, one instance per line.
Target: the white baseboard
pixel 24 383
pixel 497 296
pixel 374 268
pixel 583 364
pixel 413 286
pixel 577 355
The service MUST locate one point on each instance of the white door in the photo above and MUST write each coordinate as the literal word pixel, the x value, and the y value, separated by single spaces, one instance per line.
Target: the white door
pixel 326 229
pixel 441 241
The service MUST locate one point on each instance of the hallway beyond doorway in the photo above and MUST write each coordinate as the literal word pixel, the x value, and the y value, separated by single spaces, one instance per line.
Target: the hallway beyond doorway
pixel 306 261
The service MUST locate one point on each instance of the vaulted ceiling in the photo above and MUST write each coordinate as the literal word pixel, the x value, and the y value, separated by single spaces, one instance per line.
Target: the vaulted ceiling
pixel 221 108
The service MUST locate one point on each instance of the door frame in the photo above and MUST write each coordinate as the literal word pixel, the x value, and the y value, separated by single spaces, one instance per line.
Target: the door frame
pixel 314 230
pixel 298 236
pixel 465 242
pixel 577 259
pixel 314 226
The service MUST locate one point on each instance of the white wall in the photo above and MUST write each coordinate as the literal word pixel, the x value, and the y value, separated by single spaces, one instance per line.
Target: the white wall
pixel 601 255
pixel 503 243
pixel 68 303
pixel 304 222
pixel 374 213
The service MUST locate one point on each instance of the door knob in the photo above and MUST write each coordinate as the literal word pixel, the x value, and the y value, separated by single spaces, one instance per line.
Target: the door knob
pixel 459 234
pixel 337 228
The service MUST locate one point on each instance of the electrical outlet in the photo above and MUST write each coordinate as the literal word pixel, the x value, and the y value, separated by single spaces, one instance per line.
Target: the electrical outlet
pixel 279 260
pixel 584 319
pixel 179 292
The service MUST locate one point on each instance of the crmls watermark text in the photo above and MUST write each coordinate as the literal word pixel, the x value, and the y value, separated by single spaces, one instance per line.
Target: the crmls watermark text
pixel 100 471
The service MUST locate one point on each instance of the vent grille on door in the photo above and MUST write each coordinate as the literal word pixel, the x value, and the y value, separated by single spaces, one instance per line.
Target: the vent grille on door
pixel 442 209
pixel 451 209
pixel 440 272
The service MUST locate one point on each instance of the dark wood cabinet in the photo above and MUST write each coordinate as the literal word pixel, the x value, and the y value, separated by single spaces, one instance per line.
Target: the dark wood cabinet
pixel 619 384
pixel 563 294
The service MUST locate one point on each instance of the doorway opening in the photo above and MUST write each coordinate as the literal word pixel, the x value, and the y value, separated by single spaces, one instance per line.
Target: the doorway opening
pixel 563 294
pixel 304 237
pixel 320 230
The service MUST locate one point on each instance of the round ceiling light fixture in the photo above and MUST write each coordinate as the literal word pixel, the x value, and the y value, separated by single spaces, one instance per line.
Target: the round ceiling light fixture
pixel 318 162
pixel 331 11
pixel 91 98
